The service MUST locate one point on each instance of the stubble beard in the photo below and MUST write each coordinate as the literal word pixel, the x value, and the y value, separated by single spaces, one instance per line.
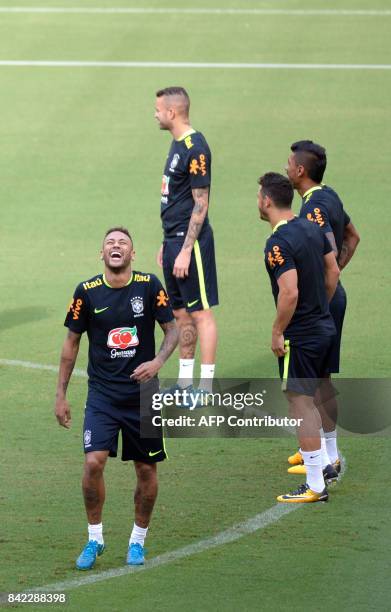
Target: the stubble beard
pixel 117 269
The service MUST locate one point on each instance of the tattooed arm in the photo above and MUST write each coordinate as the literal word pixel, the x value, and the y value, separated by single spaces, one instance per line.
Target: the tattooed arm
pixel 147 370
pixel 351 238
pixel 201 203
pixel 169 343
pixel 69 353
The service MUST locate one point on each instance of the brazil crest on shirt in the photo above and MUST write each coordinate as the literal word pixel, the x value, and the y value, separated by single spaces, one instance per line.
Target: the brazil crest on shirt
pixel 120 325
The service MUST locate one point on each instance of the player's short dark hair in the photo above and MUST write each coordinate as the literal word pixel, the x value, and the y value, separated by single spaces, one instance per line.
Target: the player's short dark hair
pixel 278 188
pixel 312 156
pixel 119 228
pixel 175 91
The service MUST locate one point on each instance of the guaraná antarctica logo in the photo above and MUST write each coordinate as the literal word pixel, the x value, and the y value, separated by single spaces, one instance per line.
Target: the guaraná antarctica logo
pixel 122 337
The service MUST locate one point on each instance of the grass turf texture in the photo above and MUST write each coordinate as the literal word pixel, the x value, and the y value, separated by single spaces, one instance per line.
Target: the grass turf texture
pixel 80 152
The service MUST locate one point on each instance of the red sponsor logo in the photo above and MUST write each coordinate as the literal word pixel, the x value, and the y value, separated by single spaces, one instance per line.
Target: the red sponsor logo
pixel 165 185
pixel 122 337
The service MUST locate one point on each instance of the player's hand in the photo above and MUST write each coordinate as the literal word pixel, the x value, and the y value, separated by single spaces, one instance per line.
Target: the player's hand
pixel 182 263
pixel 63 413
pixel 147 370
pixel 278 346
pixel 159 257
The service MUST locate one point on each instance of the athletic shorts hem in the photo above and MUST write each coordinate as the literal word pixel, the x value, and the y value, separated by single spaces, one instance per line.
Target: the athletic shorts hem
pixel 148 460
pixel 104 420
pixel 198 290
pixel 305 363
pixel 200 307
pixel 296 387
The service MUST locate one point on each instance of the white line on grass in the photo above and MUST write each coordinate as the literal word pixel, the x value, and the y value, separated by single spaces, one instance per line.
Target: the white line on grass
pixel 197 11
pixel 83 374
pixel 38 366
pixel 234 533
pixel 257 522
pixel 220 65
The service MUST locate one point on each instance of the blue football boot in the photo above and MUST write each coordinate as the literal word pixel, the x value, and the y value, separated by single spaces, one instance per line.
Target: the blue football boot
pixel 135 554
pixel 177 392
pixel 88 555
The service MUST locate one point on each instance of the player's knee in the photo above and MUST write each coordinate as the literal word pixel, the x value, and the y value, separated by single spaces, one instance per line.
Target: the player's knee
pixel 202 317
pixel 297 404
pixel 93 466
pixel 181 316
pixel 145 471
pixel 293 411
pixel 326 388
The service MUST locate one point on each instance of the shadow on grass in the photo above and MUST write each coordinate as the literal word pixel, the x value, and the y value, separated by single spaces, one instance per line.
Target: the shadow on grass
pixel 264 365
pixel 13 317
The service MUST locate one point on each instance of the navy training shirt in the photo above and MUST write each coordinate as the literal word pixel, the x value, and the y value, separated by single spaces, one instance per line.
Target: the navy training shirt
pixel 300 245
pixel 120 324
pixel 322 205
pixel 188 167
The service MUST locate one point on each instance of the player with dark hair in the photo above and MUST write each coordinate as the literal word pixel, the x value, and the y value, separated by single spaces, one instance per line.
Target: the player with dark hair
pixel 187 253
pixel 322 206
pixel 312 156
pixel 303 274
pixel 118 310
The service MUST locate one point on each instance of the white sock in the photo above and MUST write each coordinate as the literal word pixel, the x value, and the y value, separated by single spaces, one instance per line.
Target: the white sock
pixel 185 376
pixel 313 464
pixel 207 374
pixel 331 444
pixel 95 532
pixel 138 535
pixel 325 456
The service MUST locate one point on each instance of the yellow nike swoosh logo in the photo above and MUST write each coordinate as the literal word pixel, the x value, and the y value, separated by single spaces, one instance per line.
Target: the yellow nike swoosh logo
pixel 98 310
pixel 151 454
pixel 190 304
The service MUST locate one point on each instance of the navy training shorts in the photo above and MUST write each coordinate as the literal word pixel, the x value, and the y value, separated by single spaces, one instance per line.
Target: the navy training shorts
pixel 198 291
pixel 103 420
pixel 306 363
pixel 337 311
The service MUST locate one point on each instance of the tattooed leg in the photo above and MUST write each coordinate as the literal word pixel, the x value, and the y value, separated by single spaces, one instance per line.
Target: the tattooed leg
pixel 187 334
pixel 145 493
pixel 94 485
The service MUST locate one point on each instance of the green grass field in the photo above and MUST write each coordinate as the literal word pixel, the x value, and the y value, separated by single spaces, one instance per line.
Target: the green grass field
pixel 80 151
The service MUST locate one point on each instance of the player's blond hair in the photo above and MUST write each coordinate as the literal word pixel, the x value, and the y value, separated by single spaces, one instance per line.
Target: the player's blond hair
pixel 180 92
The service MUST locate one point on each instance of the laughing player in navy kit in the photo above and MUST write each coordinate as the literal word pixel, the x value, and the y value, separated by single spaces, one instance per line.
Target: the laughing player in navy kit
pixel 187 253
pixel 322 206
pixel 118 310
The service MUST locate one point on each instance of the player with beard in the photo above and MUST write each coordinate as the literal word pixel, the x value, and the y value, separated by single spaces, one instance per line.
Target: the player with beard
pixel 187 253
pixel 303 274
pixel 118 310
pixel 321 205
